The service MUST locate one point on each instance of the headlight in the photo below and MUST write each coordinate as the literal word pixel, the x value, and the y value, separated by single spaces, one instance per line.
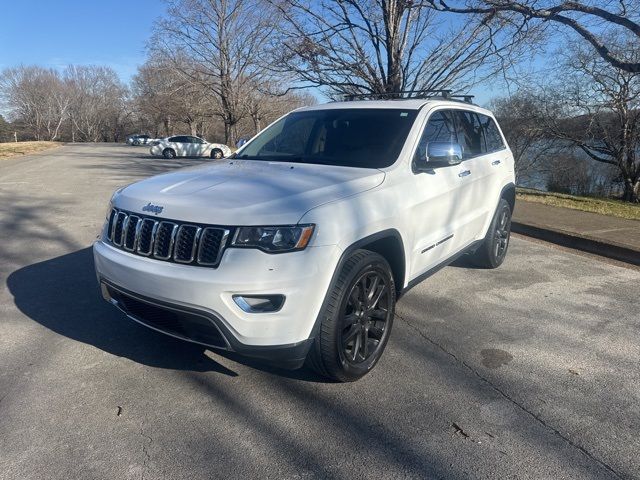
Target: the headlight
pixel 274 239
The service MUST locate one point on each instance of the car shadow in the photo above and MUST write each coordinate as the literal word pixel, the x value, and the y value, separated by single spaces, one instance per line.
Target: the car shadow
pixel 62 295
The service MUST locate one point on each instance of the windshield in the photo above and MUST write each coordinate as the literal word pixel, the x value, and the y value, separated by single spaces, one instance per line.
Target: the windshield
pixel 351 137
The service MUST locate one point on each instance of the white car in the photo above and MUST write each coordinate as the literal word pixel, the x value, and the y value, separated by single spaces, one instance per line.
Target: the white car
pixel 298 247
pixel 187 146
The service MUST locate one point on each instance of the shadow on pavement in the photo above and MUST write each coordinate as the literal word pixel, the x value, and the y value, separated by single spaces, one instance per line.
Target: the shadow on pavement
pixel 62 295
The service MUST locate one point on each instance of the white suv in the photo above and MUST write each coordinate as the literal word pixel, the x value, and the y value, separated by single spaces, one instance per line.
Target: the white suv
pixel 298 246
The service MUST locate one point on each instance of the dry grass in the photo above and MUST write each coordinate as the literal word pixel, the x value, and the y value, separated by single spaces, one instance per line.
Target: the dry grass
pixel 11 149
pixel 604 206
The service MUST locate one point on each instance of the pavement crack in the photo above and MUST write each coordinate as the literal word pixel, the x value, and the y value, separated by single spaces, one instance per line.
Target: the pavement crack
pixel 505 395
pixel 145 451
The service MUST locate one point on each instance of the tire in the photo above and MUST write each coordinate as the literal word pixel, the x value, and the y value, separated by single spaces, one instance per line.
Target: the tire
pixel 169 153
pixel 217 153
pixel 360 306
pixel 493 249
pixel 136 143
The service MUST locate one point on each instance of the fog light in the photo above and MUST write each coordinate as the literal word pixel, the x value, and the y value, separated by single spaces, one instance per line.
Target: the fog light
pixel 259 303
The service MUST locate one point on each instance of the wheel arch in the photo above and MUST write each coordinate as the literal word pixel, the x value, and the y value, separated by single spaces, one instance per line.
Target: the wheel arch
pixel 387 243
pixel 509 194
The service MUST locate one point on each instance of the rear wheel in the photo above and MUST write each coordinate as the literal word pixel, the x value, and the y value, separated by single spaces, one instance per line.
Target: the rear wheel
pixel 357 320
pixel 217 153
pixel 168 153
pixel 493 250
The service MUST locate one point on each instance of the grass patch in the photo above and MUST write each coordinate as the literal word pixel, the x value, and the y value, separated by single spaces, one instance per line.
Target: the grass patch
pixel 603 206
pixel 11 149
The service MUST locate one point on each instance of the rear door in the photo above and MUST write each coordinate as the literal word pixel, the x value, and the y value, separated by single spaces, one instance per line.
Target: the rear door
pixel 477 175
pixel 198 147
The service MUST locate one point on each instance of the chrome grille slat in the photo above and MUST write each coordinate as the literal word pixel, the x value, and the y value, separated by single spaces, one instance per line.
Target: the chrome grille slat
pixel 167 240
pixel 130 234
pixel 209 253
pixel 118 228
pixel 147 231
pixel 186 243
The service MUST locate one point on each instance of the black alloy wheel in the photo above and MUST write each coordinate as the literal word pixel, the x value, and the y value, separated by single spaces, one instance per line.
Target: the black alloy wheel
pixel 365 317
pixel 356 318
pixel 493 250
pixel 502 234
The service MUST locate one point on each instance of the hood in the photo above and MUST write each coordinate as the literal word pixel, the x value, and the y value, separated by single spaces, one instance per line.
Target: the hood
pixel 245 192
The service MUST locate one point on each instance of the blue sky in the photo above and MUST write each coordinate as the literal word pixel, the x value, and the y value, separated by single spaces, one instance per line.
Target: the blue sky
pixel 95 32
pixel 57 33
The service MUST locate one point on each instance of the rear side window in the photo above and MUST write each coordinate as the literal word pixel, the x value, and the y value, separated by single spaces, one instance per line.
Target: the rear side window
pixel 470 136
pixel 491 133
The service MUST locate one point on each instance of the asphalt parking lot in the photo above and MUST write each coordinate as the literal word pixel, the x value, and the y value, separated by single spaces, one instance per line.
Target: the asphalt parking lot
pixel 528 371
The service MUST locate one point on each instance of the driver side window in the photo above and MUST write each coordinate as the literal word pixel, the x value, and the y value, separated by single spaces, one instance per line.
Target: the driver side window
pixel 439 128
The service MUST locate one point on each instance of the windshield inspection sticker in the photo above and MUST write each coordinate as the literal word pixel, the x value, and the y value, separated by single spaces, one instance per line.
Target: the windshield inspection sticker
pixel 403 114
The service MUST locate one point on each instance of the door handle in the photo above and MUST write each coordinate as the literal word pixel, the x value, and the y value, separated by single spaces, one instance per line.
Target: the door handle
pixel 495 162
pixel 464 173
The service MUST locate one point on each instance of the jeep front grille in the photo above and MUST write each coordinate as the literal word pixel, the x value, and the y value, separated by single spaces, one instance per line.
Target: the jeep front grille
pixel 167 240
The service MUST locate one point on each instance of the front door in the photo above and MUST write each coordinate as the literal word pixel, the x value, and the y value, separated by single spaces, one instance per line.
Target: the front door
pixel 440 200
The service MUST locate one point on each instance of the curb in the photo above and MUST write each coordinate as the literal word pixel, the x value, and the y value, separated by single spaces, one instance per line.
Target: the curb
pixel 578 242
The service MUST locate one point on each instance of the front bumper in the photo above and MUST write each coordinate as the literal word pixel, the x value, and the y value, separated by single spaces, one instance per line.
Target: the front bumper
pixel 152 292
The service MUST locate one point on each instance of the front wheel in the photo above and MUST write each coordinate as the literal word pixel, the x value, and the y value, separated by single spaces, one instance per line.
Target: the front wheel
pixel 357 319
pixel 493 250
pixel 168 153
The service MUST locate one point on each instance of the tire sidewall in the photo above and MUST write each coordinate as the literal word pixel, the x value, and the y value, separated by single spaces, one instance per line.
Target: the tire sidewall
pixel 502 206
pixel 355 371
pixel 168 153
pixel 214 153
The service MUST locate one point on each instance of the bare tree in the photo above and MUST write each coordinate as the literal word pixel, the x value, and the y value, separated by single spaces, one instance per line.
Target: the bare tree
pixel 386 46
pixel 223 43
pixel 521 118
pixel 97 101
pixel 165 96
pixel 597 110
pixel 263 106
pixel 590 19
pixel 36 97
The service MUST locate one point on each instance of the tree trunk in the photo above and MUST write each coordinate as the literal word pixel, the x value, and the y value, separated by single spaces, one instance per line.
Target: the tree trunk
pixel 631 190
pixel 257 123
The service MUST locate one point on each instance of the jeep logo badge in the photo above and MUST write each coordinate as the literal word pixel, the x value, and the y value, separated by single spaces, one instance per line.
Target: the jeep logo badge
pixel 149 207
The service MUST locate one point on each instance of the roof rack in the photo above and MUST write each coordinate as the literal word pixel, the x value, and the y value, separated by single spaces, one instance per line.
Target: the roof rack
pixel 409 95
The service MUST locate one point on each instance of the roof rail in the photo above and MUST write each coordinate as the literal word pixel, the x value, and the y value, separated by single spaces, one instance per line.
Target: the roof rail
pixel 408 95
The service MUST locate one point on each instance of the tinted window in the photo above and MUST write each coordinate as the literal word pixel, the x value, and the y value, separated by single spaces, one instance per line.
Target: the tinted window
pixel 470 136
pixel 439 128
pixel 491 133
pixel 195 140
pixel 355 137
pixel 179 139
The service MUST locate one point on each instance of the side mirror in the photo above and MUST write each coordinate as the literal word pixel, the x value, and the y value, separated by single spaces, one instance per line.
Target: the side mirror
pixel 439 154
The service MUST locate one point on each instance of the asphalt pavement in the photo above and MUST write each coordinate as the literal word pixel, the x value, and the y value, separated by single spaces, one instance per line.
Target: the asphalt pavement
pixel 527 371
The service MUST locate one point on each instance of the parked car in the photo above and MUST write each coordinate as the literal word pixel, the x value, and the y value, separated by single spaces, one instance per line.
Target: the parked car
pixel 297 248
pixel 188 146
pixel 138 139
